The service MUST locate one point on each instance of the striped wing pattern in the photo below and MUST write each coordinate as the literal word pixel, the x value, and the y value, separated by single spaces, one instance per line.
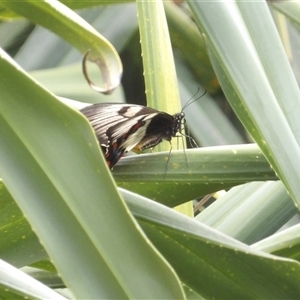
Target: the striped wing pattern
pixel 124 127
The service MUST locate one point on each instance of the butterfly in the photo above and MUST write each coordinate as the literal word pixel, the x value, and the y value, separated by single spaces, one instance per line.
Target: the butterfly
pixel 124 127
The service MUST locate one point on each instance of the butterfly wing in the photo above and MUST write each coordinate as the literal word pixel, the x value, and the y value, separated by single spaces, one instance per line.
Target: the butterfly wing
pixel 103 116
pixel 123 127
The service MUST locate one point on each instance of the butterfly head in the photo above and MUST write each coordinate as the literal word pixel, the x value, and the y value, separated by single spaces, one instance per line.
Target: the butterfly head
pixel 179 121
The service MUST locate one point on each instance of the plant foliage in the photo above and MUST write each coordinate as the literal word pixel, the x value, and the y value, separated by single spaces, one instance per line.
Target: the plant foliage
pixel 71 228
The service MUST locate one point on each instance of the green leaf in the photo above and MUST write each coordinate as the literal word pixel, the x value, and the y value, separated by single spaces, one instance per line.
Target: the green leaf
pixel 285 243
pixel 208 263
pixel 159 68
pixel 67 81
pixel 250 212
pixel 18 244
pixel 15 284
pixel 73 4
pixel 160 74
pixel 186 37
pixel 261 93
pixel 289 9
pixel 212 264
pixel 67 24
pixel 209 170
pixel 40 138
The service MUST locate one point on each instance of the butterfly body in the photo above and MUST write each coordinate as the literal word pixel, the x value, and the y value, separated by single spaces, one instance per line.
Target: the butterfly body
pixel 124 127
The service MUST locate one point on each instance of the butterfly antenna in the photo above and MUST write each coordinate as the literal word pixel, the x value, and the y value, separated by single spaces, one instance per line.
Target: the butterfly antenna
pixel 193 100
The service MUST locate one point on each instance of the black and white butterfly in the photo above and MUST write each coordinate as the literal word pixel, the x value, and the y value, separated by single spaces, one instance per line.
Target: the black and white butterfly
pixel 124 127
